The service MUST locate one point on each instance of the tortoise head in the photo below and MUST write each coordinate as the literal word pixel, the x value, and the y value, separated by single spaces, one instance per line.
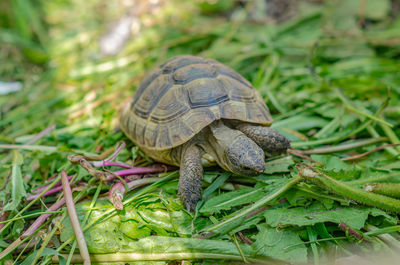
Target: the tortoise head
pixel 244 157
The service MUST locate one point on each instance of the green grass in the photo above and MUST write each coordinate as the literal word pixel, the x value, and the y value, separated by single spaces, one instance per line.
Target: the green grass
pixel 330 76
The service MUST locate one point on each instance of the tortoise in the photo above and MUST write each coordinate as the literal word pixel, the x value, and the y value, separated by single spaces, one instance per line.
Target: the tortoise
pixel 191 112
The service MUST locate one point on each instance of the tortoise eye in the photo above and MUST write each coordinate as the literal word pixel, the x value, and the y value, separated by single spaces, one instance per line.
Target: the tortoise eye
pixel 246 168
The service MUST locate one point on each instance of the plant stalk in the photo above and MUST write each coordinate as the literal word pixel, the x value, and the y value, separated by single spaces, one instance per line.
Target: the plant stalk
pixel 131 257
pixel 255 206
pixel 348 191
pixel 69 200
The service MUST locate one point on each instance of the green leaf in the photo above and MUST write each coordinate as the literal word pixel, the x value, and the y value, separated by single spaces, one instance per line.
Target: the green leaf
pixel 388 218
pixel 328 129
pixel 279 165
pixel 181 222
pixel 249 223
pixel 228 227
pixel 373 9
pixel 158 217
pixel 388 164
pixel 134 230
pixel 148 215
pixel 355 217
pixel 47 251
pixel 213 187
pixel 336 168
pixel 312 236
pixel 216 184
pixel 282 244
pixel 3 244
pixel 301 122
pixel 135 153
pixel 298 197
pixel 227 200
pixel 17 183
pixel 331 162
pixel 157 244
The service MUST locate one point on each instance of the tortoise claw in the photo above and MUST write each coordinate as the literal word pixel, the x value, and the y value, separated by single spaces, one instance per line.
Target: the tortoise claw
pixel 191 173
pixel 190 199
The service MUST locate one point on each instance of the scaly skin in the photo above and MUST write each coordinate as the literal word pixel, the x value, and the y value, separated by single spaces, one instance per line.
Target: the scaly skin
pixel 234 151
pixel 268 139
pixel 245 156
pixel 239 151
pixel 191 173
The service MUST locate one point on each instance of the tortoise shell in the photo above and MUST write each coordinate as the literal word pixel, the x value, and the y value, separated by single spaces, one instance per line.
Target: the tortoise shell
pixel 184 95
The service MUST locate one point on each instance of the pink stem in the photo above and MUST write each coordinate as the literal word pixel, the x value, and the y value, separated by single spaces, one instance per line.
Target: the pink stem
pixel 35 226
pixel 118 190
pixel 73 217
pixel 118 149
pixel 38 222
pixel 112 164
pixel 49 192
pixel 41 188
pixel 121 173
pixel 139 170
pixel 116 195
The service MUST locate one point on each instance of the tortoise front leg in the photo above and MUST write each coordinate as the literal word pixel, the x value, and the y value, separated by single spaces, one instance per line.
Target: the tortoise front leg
pixel 268 139
pixel 191 173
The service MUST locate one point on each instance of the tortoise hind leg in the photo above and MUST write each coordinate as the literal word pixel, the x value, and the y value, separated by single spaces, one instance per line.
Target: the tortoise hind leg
pixel 191 173
pixel 268 139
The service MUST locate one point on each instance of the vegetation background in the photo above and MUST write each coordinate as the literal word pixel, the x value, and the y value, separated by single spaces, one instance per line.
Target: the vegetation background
pixel 328 70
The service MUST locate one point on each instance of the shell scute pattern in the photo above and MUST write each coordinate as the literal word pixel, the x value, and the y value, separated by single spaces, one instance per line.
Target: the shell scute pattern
pixel 200 94
pixel 175 63
pixel 189 73
pixel 151 95
pixel 184 95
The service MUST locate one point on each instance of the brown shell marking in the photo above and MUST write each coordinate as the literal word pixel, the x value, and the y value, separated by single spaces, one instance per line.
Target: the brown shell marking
pixel 184 95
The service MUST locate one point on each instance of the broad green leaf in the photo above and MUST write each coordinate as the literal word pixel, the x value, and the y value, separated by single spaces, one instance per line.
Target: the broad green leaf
pixel 282 244
pixel 239 217
pixel 227 200
pixel 181 222
pixel 159 245
pixel 134 230
pixel 393 219
pixel 17 183
pixel 139 219
pixel 355 217
pixel 331 162
pixel 158 217
pixel 279 165
pixel 336 168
